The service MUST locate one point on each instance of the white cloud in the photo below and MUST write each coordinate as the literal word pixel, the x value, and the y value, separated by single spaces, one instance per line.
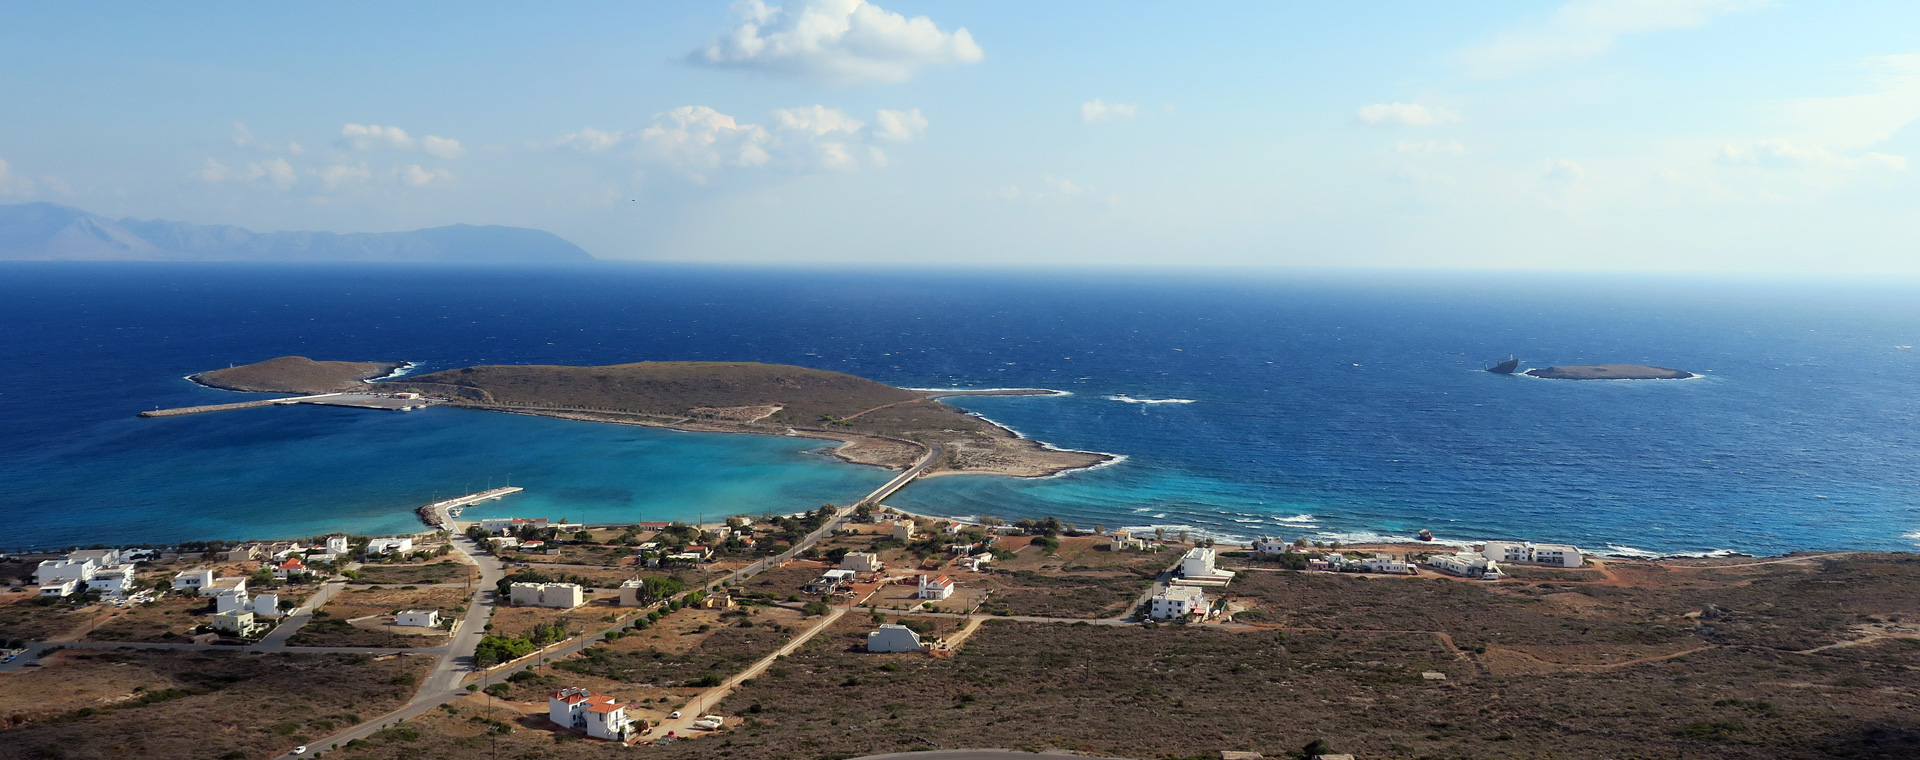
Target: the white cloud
pixel 442 147
pixel 1431 147
pixel 818 121
pixel 340 174
pixel 1587 27
pixel 697 140
pixel 1406 114
pixel 414 175
pixel 1063 186
pixel 1781 154
pixel 1052 189
pixel 593 140
pixel 371 136
pixel 1097 111
pixel 11 186
pixel 276 171
pixel 1867 118
pixel 214 171
pixel 899 126
pixel 837 40
pixel 1565 170
pixel 243 137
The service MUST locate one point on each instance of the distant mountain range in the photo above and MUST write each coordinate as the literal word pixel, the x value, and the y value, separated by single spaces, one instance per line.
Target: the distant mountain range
pixel 51 232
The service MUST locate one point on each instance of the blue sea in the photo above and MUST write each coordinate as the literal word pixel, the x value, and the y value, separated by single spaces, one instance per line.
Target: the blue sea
pixel 1330 405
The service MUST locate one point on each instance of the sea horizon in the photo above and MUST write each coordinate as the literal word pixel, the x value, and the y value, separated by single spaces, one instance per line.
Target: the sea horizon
pixel 1332 406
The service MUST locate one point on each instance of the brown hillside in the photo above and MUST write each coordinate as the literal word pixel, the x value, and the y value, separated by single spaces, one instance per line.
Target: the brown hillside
pixel 806 396
pixel 296 374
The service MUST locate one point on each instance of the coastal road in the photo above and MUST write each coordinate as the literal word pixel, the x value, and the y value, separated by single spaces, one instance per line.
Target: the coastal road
pixel 706 699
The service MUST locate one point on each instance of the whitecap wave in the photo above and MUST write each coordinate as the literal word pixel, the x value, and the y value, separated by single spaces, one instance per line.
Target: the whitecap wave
pixel 1131 400
pixel 403 369
pixel 1914 536
pixel 1616 550
pixel 1050 392
pixel 1296 519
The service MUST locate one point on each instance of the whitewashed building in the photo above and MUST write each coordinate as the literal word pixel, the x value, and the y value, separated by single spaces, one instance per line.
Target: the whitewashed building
pixel 596 715
pixel 291 568
pixel 1464 564
pixel 193 580
pixel 1516 552
pixel 395 545
pixel 1557 555
pixel 935 588
pixel 236 621
pixel 894 638
pixel 266 605
pixel 1122 540
pixel 99 557
pixel 419 618
pixel 1178 601
pixel 221 585
pixel 1270 546
pixel 1197 569
pixel 60 587
pixel 565 596
pixel 338 545
pixel 861 562
pixel 1381 563
pixel 231 600
pixel 64 569
pixel 903 530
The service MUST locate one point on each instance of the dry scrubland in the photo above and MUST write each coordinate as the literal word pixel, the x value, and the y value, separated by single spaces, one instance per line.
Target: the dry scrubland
pixel 127 703
pixel 1569 670
pixel 296 374
pixel 335 630
pixel 444 571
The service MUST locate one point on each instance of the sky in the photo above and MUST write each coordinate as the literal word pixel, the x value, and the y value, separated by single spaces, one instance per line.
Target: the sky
pixel 1662 135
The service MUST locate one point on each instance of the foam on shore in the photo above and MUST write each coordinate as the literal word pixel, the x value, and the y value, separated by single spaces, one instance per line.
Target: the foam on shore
pixel 1132 400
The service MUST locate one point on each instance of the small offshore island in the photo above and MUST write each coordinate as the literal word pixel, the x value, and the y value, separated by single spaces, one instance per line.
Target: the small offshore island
pixel 875 423
pixel 1609 372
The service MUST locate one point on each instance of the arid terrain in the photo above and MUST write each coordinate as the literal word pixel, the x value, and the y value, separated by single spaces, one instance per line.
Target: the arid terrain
pixel 296 374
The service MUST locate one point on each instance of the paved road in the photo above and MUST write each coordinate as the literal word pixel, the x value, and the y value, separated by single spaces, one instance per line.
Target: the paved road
pixel 709 698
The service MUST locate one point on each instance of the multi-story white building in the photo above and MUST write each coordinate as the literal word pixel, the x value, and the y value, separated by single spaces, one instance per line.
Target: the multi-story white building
pixel 237 621
pixel 903 530
pixel 64 569
pixel 220 585
pixel 1270 546
pixel 338 544
pixel 396 545
pixel 419 618
pixel 115 581
pixel 1197 569
pixel 935 588
pixel 230 600
pixel 291 568
pixel 1178 601
pixel 563 595
pixel 1381 563
pixel 596 715
pixel 1464 564
pixel 60 588
pixel 1515 552
pixel 266 605
pixel 861 562
pixel 100 557
pixel 894 638
pixel 1122 540
pixel 193 580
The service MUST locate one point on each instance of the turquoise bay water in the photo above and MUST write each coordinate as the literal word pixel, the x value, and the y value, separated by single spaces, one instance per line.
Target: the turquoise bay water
pixel 305 470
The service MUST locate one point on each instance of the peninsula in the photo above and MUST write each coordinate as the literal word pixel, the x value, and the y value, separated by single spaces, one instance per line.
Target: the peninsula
pixel 1609 372
pixel 297 374
pixel 875 423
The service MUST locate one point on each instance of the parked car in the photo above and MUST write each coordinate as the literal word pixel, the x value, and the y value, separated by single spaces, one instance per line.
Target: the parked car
pixel 300 750
pixel 675 715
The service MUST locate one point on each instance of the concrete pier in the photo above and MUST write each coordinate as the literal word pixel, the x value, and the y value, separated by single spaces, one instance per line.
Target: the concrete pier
pixel 240 405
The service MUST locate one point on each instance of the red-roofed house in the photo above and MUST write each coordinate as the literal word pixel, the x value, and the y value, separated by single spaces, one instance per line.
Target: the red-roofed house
pixel 290 568
pixel 935 588
pixel 596 715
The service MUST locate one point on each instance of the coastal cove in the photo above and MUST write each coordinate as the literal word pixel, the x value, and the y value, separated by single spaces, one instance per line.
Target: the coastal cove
pixel 1341 407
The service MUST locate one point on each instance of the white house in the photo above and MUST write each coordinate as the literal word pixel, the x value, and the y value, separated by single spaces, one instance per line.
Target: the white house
pixel 420 618
pixel 894 638
pixel 59 588
pixel 1270 546
pixel 1557 555
pixel 64 569
pixel 193 580
pixel 1553 555
pixel 220 585
pixel 266 605
pixel 1123 540
pixel 566 596
pixel 977 562
pixel 397 545
pixel 1381 563
pixel 338 545
pixel 936 588
pixel 236 621
pixel 291 568
pixel 231 600
pixel 630 592
pixel 100 557
pixel 861 562
pixel 903 530
pixel 596 715
pixel 1196 569
pixel 1465 564
pixel 1178 601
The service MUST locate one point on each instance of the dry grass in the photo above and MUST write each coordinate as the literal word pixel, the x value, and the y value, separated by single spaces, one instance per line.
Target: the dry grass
pixel 161 704
pixel 444 571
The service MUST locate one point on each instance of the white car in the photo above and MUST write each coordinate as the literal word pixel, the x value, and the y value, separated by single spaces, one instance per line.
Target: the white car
pixel 300 750
pixel 674 716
